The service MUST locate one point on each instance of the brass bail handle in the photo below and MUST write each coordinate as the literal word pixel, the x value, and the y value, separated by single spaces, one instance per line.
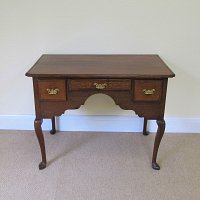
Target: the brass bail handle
pixel 100 86
pixel 52 91
pixel 149 92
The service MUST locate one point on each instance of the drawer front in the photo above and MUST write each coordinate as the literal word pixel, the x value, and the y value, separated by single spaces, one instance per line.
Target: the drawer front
pixel 148 90
pixel 53 89
pixel 99 84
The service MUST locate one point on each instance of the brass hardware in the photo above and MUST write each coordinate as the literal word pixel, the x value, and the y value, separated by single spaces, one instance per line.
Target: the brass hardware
pixel 52 91
pixel 149 92
pixel 100 86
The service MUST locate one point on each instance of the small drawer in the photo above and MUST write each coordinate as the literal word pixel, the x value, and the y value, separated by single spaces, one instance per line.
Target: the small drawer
pixel 53 89
pixel 148 90
pixel 99 84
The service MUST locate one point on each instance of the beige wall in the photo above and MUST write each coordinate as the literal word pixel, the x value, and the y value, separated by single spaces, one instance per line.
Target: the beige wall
pixel 168 28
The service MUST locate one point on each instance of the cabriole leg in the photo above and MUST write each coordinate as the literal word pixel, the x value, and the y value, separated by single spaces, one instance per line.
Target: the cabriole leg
pixel 159 135
pixel 53 130
pixel 40 137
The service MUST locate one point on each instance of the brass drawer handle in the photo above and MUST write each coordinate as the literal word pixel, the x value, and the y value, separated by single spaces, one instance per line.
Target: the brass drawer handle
pixel 52 91
pixel 149 92
pixel 100 86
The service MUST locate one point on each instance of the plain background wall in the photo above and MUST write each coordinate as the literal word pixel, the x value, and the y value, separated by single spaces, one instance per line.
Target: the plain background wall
pixel 168 28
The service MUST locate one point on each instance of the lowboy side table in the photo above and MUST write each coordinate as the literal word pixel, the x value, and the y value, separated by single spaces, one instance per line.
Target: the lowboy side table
pixel 135 82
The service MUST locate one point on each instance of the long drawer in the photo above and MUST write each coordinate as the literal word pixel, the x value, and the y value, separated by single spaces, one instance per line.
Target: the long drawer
pixel 99 84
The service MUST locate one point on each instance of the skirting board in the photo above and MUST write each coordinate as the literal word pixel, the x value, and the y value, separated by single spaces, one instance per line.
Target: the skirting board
pixel 100 123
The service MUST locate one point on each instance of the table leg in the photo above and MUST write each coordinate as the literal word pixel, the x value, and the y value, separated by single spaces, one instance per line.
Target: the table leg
pixel 53 130
pixel 145 132
pixel 159 135
pixel 40 137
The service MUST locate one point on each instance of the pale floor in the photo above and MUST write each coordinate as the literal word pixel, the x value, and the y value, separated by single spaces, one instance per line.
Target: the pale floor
pixel 99 166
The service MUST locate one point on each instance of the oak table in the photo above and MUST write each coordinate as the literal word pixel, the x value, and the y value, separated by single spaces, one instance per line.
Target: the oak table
pixel 135 82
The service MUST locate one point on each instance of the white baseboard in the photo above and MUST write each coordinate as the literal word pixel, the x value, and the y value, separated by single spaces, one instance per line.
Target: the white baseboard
pixel 100 123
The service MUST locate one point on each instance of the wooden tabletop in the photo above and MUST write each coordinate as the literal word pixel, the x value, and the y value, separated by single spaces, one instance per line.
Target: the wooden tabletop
pixel 97 66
